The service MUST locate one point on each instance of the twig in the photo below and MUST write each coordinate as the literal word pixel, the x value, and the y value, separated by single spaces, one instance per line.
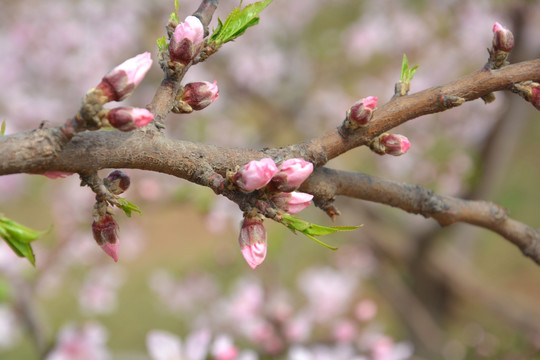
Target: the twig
pixel 326 183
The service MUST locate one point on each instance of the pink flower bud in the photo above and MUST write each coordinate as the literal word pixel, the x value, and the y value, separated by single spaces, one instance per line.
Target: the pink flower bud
pixel 535 100
pixel 127 119
pixel 255 174
pixel 120 82
pixel 112 249
pixel 186 41
pixel 503 39
pixel 200 94
pixel 293 202
pixel 362 111
pixel 252 241
pixel 104 230
pixel 292 173
pixel 57 174
pixel 391 144
pixel 117 182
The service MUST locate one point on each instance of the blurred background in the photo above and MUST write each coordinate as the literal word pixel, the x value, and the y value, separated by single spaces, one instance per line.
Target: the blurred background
pixel 398 288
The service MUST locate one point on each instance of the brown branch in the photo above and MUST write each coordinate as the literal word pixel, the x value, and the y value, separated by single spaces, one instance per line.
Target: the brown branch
pixel 326 183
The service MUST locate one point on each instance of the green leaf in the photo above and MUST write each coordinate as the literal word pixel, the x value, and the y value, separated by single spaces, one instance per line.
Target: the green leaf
pixel 238 21
pixel 128 207
pixel 3 128
pixel 18 238
pixel 406 72
pixel 312 230
pixel 20 232
pixel 162 43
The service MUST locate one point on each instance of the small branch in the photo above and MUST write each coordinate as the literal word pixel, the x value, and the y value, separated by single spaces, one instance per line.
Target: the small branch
pixel 326 183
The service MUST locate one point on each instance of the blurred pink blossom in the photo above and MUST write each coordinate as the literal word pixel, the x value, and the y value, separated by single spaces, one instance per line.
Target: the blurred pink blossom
pixel 223 348
pixel 365 310
pixel 162 345
pixel 85 342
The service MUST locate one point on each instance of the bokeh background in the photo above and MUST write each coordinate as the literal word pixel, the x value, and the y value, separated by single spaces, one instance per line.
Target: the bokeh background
pixel 399 288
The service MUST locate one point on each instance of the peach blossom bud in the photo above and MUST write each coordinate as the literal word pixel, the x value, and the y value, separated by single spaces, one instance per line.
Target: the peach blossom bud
pixel 391 144
pixel 252 240
pixel 362 111
pixel 255 174
pixel 200 94
pixel 503 39
pixel 57 174
pixel 120 82
pixel 292 173
pixel 535 100
pixel 186 40
pixel 117 182
pixel 292 202
pixel 128 119
pixel 104 230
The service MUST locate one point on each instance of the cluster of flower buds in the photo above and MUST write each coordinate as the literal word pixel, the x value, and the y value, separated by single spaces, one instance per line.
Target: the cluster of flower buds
pixel 186 41
pixel 360 113
pixel 120 82
pixel 252 240
pixel 391 144
pixel 128 119
pixel 530 91
pixel 280 182
pixel 503 43
pixel 198 95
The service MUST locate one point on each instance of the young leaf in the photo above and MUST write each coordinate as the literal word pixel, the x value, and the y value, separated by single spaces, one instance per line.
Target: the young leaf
pixel 3 128
pixel 162 43
pixel 238 21
pixel 22 249
pixel 312 230
pixel 20 232
pixel 406 72
pixel 128 207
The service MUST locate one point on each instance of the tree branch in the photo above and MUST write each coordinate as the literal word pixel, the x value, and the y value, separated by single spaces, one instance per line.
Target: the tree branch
pixel 326 183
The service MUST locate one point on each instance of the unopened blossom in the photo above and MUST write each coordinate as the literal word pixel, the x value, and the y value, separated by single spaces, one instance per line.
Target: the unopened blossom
pixel 292 173
pixel 199 95
pixel 120 82
pixel 255 174
pixel 503 39
pixel 362 111
pixel 186 41
pixel 57 174
pixel 117 182
pixel 292 202
pixel 252 240
pixel 391 144
pixel 128 119
pixel 104 229
pixel 530 91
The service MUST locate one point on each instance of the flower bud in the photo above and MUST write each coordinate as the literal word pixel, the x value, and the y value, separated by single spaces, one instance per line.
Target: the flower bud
pixel 362 111
pixel 127 119
pixel 120 82
pixel 105 230
pixel 252 240
pixel 391 144
pixel 200 94
pixel 255 174
pixel 503 39
pixel 57 174
pixel 530 91
pixel 117 182
pixel 292 202
pixel 292 173
pixel 186 41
